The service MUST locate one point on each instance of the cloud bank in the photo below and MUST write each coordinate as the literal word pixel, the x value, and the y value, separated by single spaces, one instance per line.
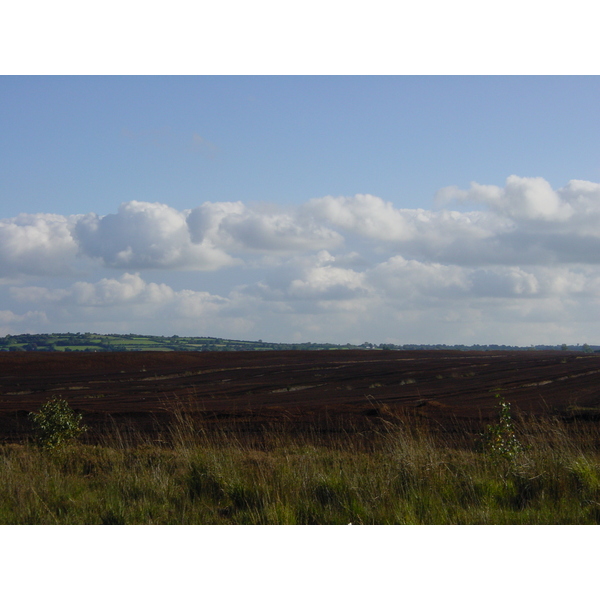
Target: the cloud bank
pixel 521 267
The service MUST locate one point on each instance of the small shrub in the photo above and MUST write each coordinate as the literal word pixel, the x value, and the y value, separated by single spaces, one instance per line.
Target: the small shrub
pixel 56 424
pixel 500 440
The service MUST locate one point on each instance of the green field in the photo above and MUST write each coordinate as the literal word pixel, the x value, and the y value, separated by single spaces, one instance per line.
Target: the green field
pixel 94 342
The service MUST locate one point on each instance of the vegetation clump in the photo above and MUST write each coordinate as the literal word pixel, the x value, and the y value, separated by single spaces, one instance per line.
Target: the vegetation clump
pixel 55 424
pixel 500 440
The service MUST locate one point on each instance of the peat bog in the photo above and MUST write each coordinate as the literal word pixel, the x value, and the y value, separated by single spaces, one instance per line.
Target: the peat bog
pixel 447 388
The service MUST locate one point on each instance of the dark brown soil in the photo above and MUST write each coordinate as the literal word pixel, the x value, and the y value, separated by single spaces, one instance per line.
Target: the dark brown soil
pixel 145 389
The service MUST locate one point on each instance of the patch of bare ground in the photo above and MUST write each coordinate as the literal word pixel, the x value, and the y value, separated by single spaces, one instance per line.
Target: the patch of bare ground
pixel 447 389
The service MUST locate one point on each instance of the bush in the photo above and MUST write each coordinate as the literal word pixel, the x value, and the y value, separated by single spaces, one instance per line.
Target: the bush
pixel 56 423
pixel 500 440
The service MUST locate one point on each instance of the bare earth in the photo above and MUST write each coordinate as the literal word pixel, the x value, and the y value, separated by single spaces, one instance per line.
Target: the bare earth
pixel 144 388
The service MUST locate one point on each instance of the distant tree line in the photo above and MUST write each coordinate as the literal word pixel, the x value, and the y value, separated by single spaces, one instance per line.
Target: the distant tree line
pixel 94 342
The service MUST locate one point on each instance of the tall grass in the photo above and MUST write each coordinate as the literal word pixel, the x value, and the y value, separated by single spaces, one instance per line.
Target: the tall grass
pixel 398 472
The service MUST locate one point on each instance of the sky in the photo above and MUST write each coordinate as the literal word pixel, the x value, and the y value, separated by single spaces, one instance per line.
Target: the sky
pixel 388 209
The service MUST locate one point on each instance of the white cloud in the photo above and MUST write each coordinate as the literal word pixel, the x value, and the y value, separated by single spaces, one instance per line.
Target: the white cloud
pixel 152 235
pixel 328 283
pixel 410 281
pixel 526 222
pixel 528 254
pixel 313 278
pixel 443 235
pixel 204 221
pixel 146 235
pixel 29 322
pixel 128 299
pixel 363 214
pixel 233 226
pixel 129 289
pixel 527 198
pixel 36 244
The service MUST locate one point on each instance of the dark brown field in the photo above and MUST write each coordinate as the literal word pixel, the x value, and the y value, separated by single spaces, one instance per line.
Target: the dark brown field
pixel 145 389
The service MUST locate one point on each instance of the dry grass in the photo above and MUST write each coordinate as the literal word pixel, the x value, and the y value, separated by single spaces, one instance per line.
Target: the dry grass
pixel 398 473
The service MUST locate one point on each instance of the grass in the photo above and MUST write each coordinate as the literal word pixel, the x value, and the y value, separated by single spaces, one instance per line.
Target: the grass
pixel 398 472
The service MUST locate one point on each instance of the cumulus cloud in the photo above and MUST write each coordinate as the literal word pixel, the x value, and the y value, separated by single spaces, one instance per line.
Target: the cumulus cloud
pixel 9 317
pixel 129 289
pixel 327 282
pixel 146 235
pixel 128 298
pixel 153 235
pixel 205 221
pixel 363 214
pixel 525 222
pixel 29 322
pixel 527 198
pixel 36 244
pixel 527 253
pixel 232 225
pixel 410 279
pixel 314 278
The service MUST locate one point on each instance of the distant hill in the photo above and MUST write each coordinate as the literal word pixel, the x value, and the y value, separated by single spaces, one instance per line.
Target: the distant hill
pixel 96 342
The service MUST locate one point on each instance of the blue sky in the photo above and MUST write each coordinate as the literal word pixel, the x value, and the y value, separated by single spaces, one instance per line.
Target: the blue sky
pixel 79 144
pixel 405 209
